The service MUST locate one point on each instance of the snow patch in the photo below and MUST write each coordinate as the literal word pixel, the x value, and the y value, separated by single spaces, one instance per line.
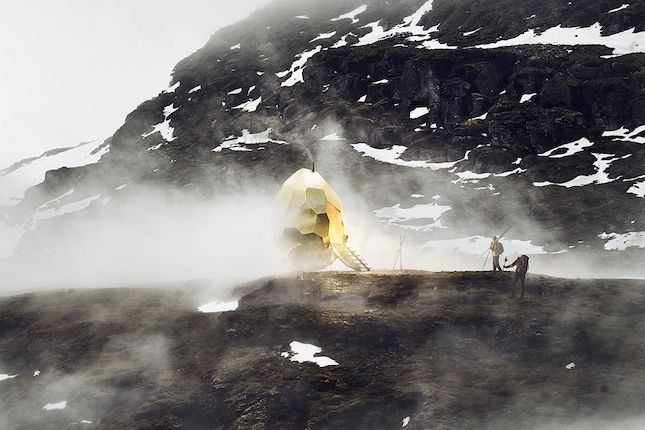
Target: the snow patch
pixel 393 156
pixel 297 67
pixel 4 376
pixel 352 15
pixel 526 97
pixel 362 99
pixel 172 88
pixel 382 81
pixel 235 47
pixel 163 127
pixel 398 216
pixel 410 27
pixel 36 373
pixel 624 135
pixel 305 352
pixel 638 189
pixel 602 163
pixel 302 17
pixel 405 421
pixel 249 106
pixel 621 7
pixel 620 242
pixel 323 36
pixel 237 143
pixel 15 181
pixel 570 366
pixel 195 89
pixel 468 33
pixel 625 42
pixel 571 148
pixel 54 406
pixel 333 136
pixel 235 91
pixel 217 306
pixel 80 205
pixel 480 117
pixel 419 112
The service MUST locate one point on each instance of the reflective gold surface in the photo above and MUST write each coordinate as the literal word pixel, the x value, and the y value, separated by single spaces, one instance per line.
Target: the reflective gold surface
pixel 308 219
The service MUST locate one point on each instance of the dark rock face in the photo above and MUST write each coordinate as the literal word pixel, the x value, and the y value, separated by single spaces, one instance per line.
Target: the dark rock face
pixel 365 92
pixel 448 350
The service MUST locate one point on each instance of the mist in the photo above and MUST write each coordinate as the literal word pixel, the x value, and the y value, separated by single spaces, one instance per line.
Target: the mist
pixel 148 235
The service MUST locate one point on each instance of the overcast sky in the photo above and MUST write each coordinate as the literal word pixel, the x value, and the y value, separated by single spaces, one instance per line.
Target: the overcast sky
pixel 71 70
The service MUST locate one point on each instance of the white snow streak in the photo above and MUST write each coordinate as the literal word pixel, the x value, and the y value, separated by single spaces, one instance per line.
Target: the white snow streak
pixel 527 97
pixel 53 406
pixel 480 117
pixel 79 205
pixel 621 7
pixel 602 163
pixel 297 68
pixel 571 148
pixel 468 33
pixel 323 36
pixel 249 106
pixel 235 91
pixel 163 127
pixel 333 136
pixel 352 15
pixel 4 376
pixel 393 156
pixel 637 189
pixel 409 27
pixel 625 42
pixel 172 88
pixel 624 135
pixel 237 143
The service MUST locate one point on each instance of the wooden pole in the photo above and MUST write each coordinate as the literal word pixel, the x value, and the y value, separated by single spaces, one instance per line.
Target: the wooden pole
pixel 401 240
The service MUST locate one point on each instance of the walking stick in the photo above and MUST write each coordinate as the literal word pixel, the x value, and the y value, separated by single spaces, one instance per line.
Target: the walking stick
pixel 486 260
pixel 487 252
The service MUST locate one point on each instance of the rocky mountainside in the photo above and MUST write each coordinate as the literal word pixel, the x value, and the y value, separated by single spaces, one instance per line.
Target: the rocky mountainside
pixel 439 351
pixel 449 119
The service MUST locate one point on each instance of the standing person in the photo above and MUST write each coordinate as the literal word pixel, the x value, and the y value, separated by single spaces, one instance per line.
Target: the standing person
pixel 496 249
pixel 521 267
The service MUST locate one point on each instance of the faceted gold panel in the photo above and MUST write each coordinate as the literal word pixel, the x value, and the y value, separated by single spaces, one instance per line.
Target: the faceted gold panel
pixel 308 217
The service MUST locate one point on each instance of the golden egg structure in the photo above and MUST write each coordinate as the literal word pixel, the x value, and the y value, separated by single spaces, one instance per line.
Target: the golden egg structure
pixel 308 218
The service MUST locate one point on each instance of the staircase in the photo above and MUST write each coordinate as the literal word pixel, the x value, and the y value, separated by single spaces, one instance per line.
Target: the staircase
pixel 351 259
